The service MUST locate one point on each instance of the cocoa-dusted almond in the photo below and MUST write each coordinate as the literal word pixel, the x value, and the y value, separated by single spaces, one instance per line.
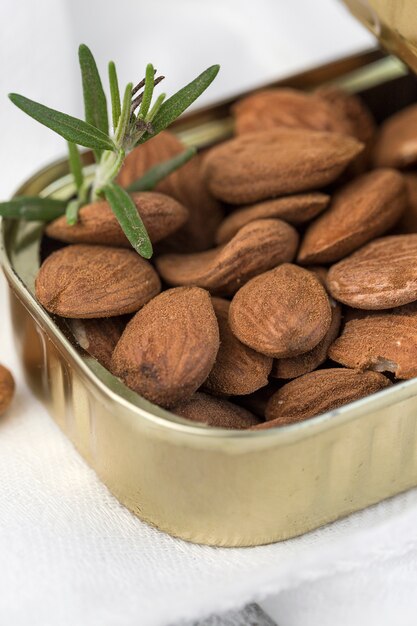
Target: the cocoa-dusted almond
pixel 363 209
pixel 396 144
pixel 83 281
pixel 7 388
pixel 205 409
pixel 281 313
pixel 277 162
pixel 169 347
pixel 304 363
pixel 291 108
pixel 97 223
pixel 408 220
pixel 318 392
pixel 381 275
pixel 256 247
pixel 187 185
pixel 238 369
pixel 385 342
pixel 292 209
pixel 98 337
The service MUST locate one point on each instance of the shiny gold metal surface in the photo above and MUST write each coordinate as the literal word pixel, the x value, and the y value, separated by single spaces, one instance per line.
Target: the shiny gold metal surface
pixel 206 485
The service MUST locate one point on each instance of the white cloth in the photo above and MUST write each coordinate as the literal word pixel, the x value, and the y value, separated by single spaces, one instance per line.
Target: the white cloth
pixel 69 553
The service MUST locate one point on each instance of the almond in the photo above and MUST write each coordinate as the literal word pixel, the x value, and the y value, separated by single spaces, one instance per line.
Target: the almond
pixel 363 209
pixel 408 221
pixel 284 107
pixel 292 209
pixel 304 363
pixel 277 162
pixel 396 144
pixel 319 392
pixel 256 247
pixel 384 342
pixel 97 223
pixel 82 281
pixel 7 388
pixel 215 412
pixel 99 337
pixel 169 347
pixel 358 119
pixel 238 369
pixel 281 313
pixel 381 275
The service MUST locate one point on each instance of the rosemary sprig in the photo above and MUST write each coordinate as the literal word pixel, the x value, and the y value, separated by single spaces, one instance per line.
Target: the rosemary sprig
pixel 135 120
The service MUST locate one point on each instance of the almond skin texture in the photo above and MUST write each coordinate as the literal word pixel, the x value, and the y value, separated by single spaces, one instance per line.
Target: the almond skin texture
pixel 205 409
pixel 281 313
pixel 277 162
pixel 273 108
pixel 99 337
pixel 169 348
pixel 381 342
pixel 381 275
pixel 292 209
pixel 97 223
pixel 256 247
pixel 358 118
pixel 396 144
pixel 238 370
pixel 7 388
pixel 363 209
pixel 318 392
pixel 83 281
pixel 305 363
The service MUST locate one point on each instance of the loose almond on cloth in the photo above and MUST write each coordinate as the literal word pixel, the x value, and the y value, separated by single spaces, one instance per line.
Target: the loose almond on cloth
pixel 256 247
pixel 97 223
pixel 318 392
pixel 296 209
pixel 88 281
pixel 396 143
pixel 281 161
pixel 238 369
pixel 99 337
pixel 360 211
pixel 215 412
pixel 381 275
pixel 169 347
pixel 7 389
pixel 281 313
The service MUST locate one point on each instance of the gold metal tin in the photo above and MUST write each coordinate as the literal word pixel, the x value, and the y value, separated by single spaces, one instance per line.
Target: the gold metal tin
pixel 206 485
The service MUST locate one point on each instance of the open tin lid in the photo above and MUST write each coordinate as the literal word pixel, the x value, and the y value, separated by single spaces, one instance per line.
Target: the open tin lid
pixel 393 22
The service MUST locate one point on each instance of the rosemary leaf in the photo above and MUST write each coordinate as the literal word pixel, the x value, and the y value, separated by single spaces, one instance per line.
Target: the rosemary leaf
pixel 148 91
pixel 124 115
pixel 95 105
pixel 179 102
pixel 75 165
pixel 70 128
pixel 114 94
pixel 71 212
pixel 157 173
pixel 129 219
pixel 32 208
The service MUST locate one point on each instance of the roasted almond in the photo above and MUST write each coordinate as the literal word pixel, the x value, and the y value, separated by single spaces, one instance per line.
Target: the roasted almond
pixel 304 363
pixel 381 275
pixel 169 347
pixel 396 144
pixel 318 392
pixel 281 313
pixel 277 162
pixel 363 209
pixel 98 337
pixel 256 247
pixel 215 412
pixel 408 221
pixel 7 388
pixel 385 342
pixel 292 209
pixel 83 281
pixel 357 117
pixel 290 108
pixel 97 223
pixel 238 370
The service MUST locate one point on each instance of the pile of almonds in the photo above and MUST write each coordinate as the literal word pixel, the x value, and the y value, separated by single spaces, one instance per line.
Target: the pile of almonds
pixel 284 282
